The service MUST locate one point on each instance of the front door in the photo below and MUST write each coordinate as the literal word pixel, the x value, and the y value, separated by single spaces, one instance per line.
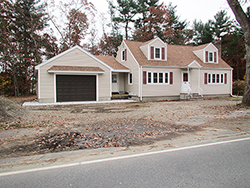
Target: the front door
pixel 185 82
pixel 115 83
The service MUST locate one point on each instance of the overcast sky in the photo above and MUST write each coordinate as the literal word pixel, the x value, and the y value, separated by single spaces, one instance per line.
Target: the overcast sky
pixel 187 9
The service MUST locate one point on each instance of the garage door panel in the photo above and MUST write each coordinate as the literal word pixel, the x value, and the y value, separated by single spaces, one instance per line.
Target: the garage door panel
pixel 76 88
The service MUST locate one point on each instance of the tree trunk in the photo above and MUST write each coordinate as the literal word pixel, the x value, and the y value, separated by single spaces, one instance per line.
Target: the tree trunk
pixel 246 97
pixel 126 31
pixel 244 22
pixel 16 86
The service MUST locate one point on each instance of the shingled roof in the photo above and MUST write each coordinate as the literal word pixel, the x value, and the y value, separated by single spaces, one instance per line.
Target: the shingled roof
pixel 75 69
pixel 177 56
pixel 111 61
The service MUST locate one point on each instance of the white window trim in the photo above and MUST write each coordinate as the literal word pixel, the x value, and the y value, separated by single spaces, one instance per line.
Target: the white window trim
pixel 129 83
pixel 158 78
pixel 211 78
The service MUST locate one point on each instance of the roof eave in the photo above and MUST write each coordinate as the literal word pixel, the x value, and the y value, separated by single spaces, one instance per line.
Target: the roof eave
pixel 122 71
pixel 75 72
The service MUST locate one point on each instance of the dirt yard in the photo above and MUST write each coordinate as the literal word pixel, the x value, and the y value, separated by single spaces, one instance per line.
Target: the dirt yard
pixel 44 129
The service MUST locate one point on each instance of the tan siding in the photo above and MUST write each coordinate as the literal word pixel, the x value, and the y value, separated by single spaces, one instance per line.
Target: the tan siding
pixel 194 80
pixel 46 85
pixel 121 81
pixel 200 55
pixel 150 90
pixel 133 66
pixel 210 48
pixel 73 58
pixel 209 89
pixel 157 43
pixel 145 50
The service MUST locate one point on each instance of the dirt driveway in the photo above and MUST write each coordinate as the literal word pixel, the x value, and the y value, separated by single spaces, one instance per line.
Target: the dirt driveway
pixel 45 129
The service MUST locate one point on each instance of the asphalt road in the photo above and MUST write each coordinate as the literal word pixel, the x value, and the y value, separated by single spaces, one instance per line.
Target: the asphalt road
pixel 221 164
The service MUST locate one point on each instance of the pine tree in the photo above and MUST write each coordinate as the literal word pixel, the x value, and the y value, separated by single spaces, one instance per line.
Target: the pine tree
pixel 222 24
pixel 180 34
pixel 23 43
pixel 127 10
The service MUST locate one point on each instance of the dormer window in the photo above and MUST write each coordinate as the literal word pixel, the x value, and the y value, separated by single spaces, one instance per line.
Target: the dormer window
pixel 210 57
pixel 157 53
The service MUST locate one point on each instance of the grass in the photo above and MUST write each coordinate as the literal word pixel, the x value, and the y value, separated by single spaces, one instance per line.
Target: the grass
pixel 230 98
pixel 12 126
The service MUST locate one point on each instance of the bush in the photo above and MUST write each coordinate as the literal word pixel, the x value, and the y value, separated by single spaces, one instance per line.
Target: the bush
pixel 238 87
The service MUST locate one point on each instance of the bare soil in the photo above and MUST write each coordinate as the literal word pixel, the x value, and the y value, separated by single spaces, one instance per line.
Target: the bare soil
pixel 44 129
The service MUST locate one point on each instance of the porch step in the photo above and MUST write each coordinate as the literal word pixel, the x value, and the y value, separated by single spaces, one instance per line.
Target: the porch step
pixel 120 96
pixel 196 96
pixel 192 96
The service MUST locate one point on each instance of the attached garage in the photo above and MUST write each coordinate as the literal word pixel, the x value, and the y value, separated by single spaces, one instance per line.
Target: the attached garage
pixel 75 88
pixel 76 75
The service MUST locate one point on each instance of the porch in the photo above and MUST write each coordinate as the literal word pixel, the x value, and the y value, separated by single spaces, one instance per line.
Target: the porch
pixel 120 81
pixel 190 86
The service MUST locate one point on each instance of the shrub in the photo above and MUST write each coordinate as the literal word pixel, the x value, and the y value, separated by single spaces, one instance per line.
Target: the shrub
pixel 238 87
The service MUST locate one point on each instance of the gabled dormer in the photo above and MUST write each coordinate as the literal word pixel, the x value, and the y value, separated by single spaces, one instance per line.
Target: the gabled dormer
pixel 155 49
pixel 207 53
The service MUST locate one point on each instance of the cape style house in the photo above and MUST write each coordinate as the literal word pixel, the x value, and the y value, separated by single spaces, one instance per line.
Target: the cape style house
pixel 145 71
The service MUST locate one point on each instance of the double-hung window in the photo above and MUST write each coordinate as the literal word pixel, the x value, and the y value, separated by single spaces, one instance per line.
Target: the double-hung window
pixel 211 57
pixel 123 55
pixel 160 77
pixel 157 53
pixel 222 78
pixel 215 78
pixel 166 78
pixel 157 77
pixel 130 79
pixel 149 77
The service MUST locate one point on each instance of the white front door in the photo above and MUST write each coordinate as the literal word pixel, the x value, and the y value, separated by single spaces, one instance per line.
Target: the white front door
pixel 115 83
pixel 185 82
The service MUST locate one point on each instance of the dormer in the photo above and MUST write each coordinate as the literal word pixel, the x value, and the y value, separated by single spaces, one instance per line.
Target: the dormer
pixel 208 53
pixel 155 49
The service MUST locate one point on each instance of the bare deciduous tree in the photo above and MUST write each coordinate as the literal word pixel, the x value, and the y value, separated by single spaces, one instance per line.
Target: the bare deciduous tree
pixel 244 21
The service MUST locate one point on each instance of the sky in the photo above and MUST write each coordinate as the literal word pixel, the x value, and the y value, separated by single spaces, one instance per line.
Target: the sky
pixel 187 9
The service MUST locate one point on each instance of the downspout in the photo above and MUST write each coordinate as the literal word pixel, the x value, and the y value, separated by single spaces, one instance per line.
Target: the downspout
pixel 140 83
pixel 231 85
pixel 55 94
pixel 199 80
pixel 97 87
pixel 38 83
pixel 110 82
